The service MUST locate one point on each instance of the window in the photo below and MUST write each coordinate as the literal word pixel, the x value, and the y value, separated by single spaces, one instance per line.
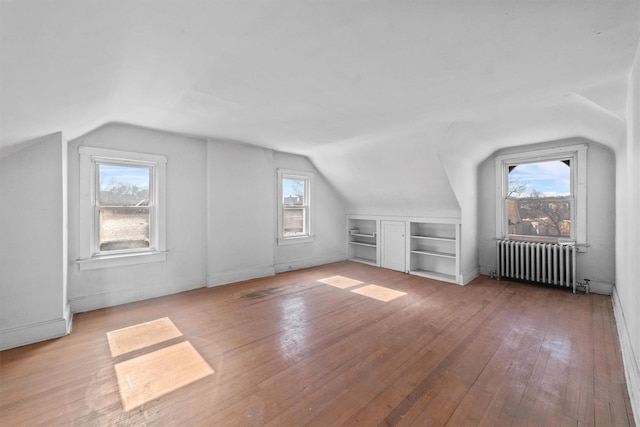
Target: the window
pixel 122 207
pixel 541 195
pixel 294 206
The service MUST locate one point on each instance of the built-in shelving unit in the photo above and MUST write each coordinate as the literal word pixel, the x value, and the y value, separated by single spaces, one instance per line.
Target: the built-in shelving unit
pixel 434 250
pixel 432 244
pixel 363 240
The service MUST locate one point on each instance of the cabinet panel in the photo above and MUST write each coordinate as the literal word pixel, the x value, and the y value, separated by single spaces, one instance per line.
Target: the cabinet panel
pixel 393 245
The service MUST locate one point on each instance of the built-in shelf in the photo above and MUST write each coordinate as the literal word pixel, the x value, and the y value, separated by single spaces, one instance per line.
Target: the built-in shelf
pixel 364 261
pixel 363 239
pixel 433 250
pixel 435 275
pixel 358 234
pixel 372 245
pixel 444 239
pixel 432 245
pixel 434 253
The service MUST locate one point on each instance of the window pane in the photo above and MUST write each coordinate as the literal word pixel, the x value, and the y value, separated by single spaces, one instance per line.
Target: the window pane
pixel 293 222
pixel 123 185
pixel 540 217
pixel 293 191
pixel 542 179
pixel 123 229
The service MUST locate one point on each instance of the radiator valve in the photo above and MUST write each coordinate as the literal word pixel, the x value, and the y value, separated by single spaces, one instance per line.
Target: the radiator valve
pixel 584 285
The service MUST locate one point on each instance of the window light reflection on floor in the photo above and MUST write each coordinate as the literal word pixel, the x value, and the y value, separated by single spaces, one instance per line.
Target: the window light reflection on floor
pixel 340 282
pixel 149 376
pixel 379 292
pixel 140 336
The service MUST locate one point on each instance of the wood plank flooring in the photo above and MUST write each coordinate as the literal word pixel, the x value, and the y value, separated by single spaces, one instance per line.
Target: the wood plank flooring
pixel 291 350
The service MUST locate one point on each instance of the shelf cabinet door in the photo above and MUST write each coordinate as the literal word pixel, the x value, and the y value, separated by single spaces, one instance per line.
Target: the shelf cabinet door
pixel 393 243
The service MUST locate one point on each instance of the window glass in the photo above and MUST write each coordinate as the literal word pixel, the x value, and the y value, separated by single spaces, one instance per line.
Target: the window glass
pixel 294 207
pixel 123 185
pixel 123 206
pixel 542 179
pixel 539 199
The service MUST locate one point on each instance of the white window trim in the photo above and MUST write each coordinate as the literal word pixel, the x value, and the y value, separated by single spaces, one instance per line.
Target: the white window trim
pixel 88 258
pixel 577 154
pixel 309 237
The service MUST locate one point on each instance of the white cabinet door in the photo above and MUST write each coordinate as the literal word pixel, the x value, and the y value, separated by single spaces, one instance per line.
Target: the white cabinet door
pixel 393 245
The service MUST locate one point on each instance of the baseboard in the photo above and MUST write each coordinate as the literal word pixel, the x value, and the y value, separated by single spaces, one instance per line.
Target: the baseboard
pixel 34 332
pixel 603 288
pixel 226 277
pixel 135 292
pixel 629 359
pixel 469 276
pixel 299 264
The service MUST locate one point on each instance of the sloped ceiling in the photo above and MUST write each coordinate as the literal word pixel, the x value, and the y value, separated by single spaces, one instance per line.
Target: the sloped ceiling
pixel 308 77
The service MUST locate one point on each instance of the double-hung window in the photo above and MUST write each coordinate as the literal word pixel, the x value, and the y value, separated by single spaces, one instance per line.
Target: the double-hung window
pixel 294 206
pixel 122 218
pixel 542 195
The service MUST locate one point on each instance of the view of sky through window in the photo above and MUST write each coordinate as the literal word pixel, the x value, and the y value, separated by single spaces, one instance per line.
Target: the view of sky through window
pixel 115 174
pixel 292 187
pixel 548 179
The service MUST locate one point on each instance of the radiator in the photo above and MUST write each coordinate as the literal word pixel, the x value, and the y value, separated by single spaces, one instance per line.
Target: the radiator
pixel 546 263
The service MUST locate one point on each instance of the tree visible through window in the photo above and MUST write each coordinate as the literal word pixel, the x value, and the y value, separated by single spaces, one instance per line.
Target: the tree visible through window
pixel 539 201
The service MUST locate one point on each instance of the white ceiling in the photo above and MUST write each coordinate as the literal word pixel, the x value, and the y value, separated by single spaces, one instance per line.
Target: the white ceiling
pixel 296 75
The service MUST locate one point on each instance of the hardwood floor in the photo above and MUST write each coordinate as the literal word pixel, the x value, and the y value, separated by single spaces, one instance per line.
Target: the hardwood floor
pixel 290 350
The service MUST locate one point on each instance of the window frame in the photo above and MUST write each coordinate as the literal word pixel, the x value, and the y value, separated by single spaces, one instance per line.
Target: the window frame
pixel 308 204
pixel 577 156
pixel 90 255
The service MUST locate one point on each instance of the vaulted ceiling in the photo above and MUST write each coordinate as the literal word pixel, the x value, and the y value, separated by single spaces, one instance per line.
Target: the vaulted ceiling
pixel 301 75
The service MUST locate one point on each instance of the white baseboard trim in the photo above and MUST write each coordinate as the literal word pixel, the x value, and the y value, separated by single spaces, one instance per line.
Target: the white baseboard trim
pixel 629 359
pixel 603 288
pixel 299 264
pixel 34 332
pixel 226 277
pixel 135 292
pixel 469 276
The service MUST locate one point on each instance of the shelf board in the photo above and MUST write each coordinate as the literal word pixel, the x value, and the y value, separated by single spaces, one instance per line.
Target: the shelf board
pixel 370 245
pixel 434 253
pixel 445 239
pixel 435 275
pixel 357 233
pixel 364 261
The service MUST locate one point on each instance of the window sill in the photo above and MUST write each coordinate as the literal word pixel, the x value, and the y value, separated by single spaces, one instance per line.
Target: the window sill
pixel 295 240
pixel 121 260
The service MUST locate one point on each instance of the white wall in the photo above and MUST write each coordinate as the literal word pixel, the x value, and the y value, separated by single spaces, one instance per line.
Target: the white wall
pixel 468 144
pixel 242 191
pixel 241 212
pixel 395 175
pixel 598 263
pixel 33 235
pixel 329 221
pixel 626 296
pixel 185 266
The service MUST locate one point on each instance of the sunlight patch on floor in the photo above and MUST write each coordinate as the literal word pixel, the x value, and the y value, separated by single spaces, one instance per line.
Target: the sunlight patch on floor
pixel 379 292
pixel 135 337
pixel 144 378
pixel 148 377
pixel 340 282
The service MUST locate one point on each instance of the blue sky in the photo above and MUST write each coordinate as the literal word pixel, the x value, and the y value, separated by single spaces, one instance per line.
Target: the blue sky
pixel 110 174
pixel 289 186
pixel 553 178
